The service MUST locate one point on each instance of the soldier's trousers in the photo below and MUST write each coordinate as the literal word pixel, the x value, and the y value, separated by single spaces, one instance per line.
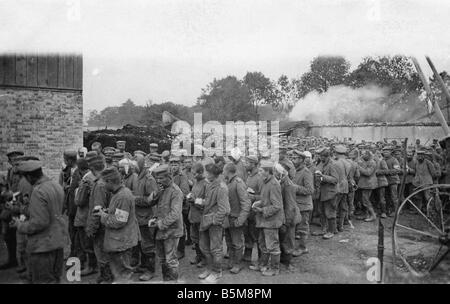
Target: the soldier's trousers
pixel 10 238
pixel 46 267
pixel 351 203
pixel 120 262
pixel 195 233
pixel 342 207
pixel 269 241
pixel 211 244
pixel 393 197
pixel 84 247
pixel 302 228
pixel 287 239
pixel 21 252
pixel 380 194
pixel 100 254
pixel 234 237
pixel 421 199
pixel 147 247
pixel 167 253
pixel 365 198
pixel 250 232
pixel 328 214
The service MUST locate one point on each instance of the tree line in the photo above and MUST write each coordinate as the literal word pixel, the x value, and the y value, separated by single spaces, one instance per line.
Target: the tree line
pixel 256 96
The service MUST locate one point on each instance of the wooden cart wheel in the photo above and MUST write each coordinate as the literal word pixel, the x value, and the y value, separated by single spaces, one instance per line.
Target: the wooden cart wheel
pixel 420 233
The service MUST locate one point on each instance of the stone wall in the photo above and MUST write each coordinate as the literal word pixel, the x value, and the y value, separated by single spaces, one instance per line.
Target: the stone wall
pixel 41 122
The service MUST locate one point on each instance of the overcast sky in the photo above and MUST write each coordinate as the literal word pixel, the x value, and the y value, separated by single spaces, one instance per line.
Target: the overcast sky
pixel 169 50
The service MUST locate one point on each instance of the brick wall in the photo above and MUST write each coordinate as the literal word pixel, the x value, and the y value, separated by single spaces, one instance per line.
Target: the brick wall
pixel 40 122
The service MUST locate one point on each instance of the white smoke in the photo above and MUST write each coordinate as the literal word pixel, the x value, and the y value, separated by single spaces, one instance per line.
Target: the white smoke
pixel 341 104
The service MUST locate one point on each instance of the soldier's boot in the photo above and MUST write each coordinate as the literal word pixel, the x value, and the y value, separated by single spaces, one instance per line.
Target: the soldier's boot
pixel 135 256
pixel 262 264
pixel 172 274
pixel 288 262
pixel 105 275
pixel 165 272
pixel 198 255
pixel 301 246
pixel 90 265
pixel 248 254
pixel 181 247
pixel 149 267
pixel 372 216
pixel 340 226
pixel 331 229
pixel 274 266
pixel 237 260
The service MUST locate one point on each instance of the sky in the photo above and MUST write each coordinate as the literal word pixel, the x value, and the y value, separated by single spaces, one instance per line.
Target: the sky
pixel 168 50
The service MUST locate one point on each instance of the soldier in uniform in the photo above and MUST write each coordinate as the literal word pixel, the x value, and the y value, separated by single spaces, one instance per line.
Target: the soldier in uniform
pixel 153 148
pixel 291 213
pixel 146 185
pixel 254 183
pixel 121 227
pixel 367 183
pixel 168 221
pixel 304 189
pixel 393 179
pixel 129 178
pixel 329 177
pixel 343 167
pixel 99 198
pixel 181 180
pixel 198 193
pixel 216 208
pixel 9 233
pixel 46 229
pixel 269 218
pixel 239 211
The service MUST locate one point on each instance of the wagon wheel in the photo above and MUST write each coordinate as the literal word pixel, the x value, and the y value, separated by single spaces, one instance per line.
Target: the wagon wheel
pixel 420 234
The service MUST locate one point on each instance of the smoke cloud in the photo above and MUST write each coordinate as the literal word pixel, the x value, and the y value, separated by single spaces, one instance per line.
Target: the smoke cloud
pixel 342 104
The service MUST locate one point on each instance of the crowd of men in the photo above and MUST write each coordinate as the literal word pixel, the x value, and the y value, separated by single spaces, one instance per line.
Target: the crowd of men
pixel 120 212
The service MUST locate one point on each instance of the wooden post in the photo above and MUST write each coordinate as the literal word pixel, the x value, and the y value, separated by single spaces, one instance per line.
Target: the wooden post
pixel 436 107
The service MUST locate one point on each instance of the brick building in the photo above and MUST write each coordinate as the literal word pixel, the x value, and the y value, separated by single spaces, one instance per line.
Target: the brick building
pixel 41 107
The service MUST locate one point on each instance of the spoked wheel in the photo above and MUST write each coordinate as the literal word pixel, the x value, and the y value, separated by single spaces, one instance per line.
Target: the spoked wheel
pixel 420 233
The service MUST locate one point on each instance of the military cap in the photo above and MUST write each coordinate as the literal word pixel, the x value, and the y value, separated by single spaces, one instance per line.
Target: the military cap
pixel 117 156
pixel 252 158
pixel 421 151
pixel 162 169
pixel 139 152
pixel 96 144
pixel 340 149
pixel 265 163
pixel 70 153
pixel 154 157
pixel 96 160
pixel 29 165
pixel 299 153
pixel 121 142
pixel 165 153
pixel 14 153
pixel 280 169
pixel 110 172
pixel 91 154
pixel 109 150
pixel 153 145
pixel 25 157
pixel 307 154
pixel 174 159
pixel 322 150
pixel 388 148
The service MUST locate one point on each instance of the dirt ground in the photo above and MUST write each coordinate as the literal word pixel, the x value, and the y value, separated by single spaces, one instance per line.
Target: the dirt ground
pixel 339 260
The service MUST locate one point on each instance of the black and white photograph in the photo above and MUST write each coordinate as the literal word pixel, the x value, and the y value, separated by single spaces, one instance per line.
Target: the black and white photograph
pixel 224 143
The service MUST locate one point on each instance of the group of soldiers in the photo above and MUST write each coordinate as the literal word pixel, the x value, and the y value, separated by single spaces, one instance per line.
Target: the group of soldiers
pixel 120 212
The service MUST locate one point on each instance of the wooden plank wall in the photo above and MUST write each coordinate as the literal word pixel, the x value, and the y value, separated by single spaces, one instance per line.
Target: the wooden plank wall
pixel 42 71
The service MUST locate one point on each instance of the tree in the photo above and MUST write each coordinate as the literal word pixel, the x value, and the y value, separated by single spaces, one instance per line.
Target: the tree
pixel 396 73
pixel 226 99
pixel 152 114
pixel 262 90
pixel 325 71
